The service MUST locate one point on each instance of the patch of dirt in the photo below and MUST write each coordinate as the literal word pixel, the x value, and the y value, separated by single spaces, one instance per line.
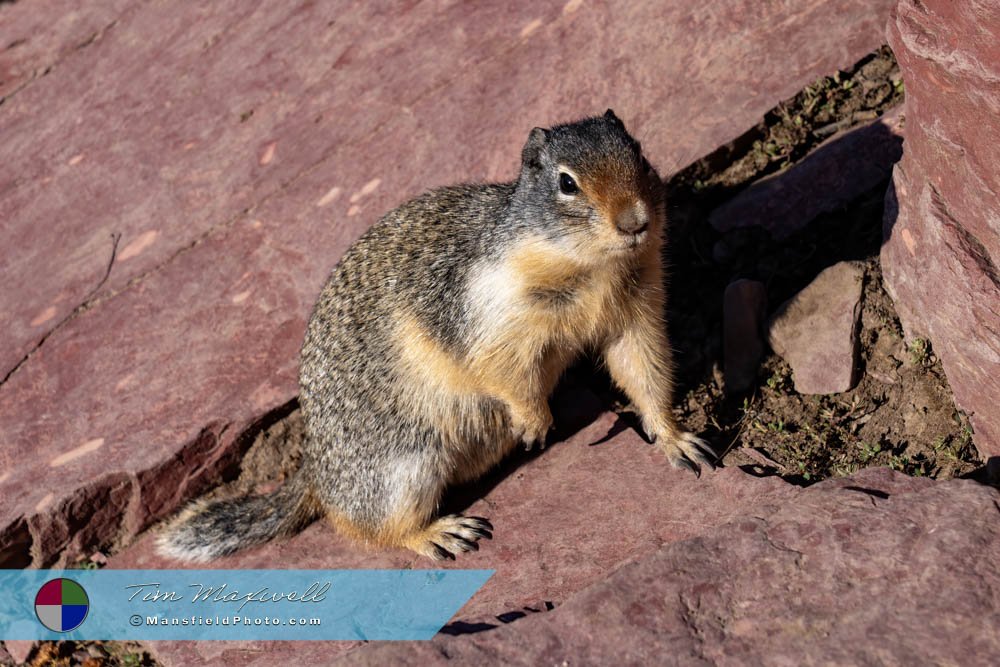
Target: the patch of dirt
pixel 794 127
pixel 901 413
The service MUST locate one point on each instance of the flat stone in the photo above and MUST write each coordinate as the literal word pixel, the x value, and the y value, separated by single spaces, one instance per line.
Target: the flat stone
pixel 835 173
pixel 744 316
pixel 942 219
pixel 562 521
pixel 816 331
pixel 225 151
pixel 872 568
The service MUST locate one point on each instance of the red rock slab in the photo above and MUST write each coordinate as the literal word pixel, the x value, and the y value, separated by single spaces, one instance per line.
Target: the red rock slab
pixel 140 400
pixel 942 223
pixel 872 569
pixel 562 521
pixel 836 172
pixel 147 132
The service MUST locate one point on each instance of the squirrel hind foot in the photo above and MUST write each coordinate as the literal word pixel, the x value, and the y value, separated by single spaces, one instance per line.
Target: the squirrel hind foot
pixel 448 536
pixel 687 450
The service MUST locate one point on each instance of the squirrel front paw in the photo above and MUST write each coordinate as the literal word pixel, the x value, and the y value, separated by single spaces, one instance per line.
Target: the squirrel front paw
pixel 683 450
pixel 531 427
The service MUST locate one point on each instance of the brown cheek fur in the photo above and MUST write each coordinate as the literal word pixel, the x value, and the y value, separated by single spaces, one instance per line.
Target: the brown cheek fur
pixel 612 189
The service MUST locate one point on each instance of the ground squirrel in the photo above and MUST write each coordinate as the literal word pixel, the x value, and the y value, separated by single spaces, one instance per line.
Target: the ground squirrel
pixel 440 335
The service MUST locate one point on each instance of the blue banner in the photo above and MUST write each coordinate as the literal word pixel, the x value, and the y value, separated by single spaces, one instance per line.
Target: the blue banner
pixel 232 604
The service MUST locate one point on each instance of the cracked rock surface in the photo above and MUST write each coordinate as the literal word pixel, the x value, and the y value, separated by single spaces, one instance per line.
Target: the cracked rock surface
pixel 868 569
pixel 235 151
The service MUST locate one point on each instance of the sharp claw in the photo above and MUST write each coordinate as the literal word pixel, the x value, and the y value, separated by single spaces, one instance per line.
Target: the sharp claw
pixel 463 544
pixel 441 553
pixel 683 462
pixel 703 446
pixel 701 452
pixel 700 459
pixel 485 534
pixel 479 527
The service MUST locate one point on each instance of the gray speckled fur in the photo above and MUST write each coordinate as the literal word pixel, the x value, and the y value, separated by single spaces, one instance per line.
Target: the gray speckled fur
pixel 418 255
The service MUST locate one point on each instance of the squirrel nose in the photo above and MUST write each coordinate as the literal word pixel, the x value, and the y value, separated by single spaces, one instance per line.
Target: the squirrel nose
pixel 632 220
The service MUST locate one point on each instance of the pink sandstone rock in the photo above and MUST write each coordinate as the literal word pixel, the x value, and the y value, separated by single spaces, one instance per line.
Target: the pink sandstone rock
pixel 228 221
pixel 942 220
pixel 870 569
pixel 816 331
pixel 562 521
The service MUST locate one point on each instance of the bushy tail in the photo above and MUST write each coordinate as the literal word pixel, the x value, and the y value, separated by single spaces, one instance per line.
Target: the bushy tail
pixel 207 530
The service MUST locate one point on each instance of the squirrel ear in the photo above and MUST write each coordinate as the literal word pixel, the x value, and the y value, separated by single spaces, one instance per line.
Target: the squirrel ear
pixel 531 153
pixel 610 115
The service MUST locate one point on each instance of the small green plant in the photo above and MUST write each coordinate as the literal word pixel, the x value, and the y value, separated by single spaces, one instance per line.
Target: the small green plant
pixel 86 564
pixel 844 469
pixel 126 655
pixel 776 381
pixel 919 350
pixel 946 448
pixel 868 451
pixel 965 439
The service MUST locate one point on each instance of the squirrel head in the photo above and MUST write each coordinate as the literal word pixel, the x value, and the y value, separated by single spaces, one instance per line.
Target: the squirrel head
pixel 587 186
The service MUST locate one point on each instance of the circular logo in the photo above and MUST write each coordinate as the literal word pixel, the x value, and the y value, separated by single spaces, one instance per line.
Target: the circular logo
pixel 61 605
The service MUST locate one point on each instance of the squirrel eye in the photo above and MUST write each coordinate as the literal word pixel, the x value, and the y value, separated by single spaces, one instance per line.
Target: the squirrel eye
pixel 567 185
pixel 646 167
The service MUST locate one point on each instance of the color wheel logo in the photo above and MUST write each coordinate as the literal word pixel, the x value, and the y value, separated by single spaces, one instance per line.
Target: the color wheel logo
pixel 61 605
